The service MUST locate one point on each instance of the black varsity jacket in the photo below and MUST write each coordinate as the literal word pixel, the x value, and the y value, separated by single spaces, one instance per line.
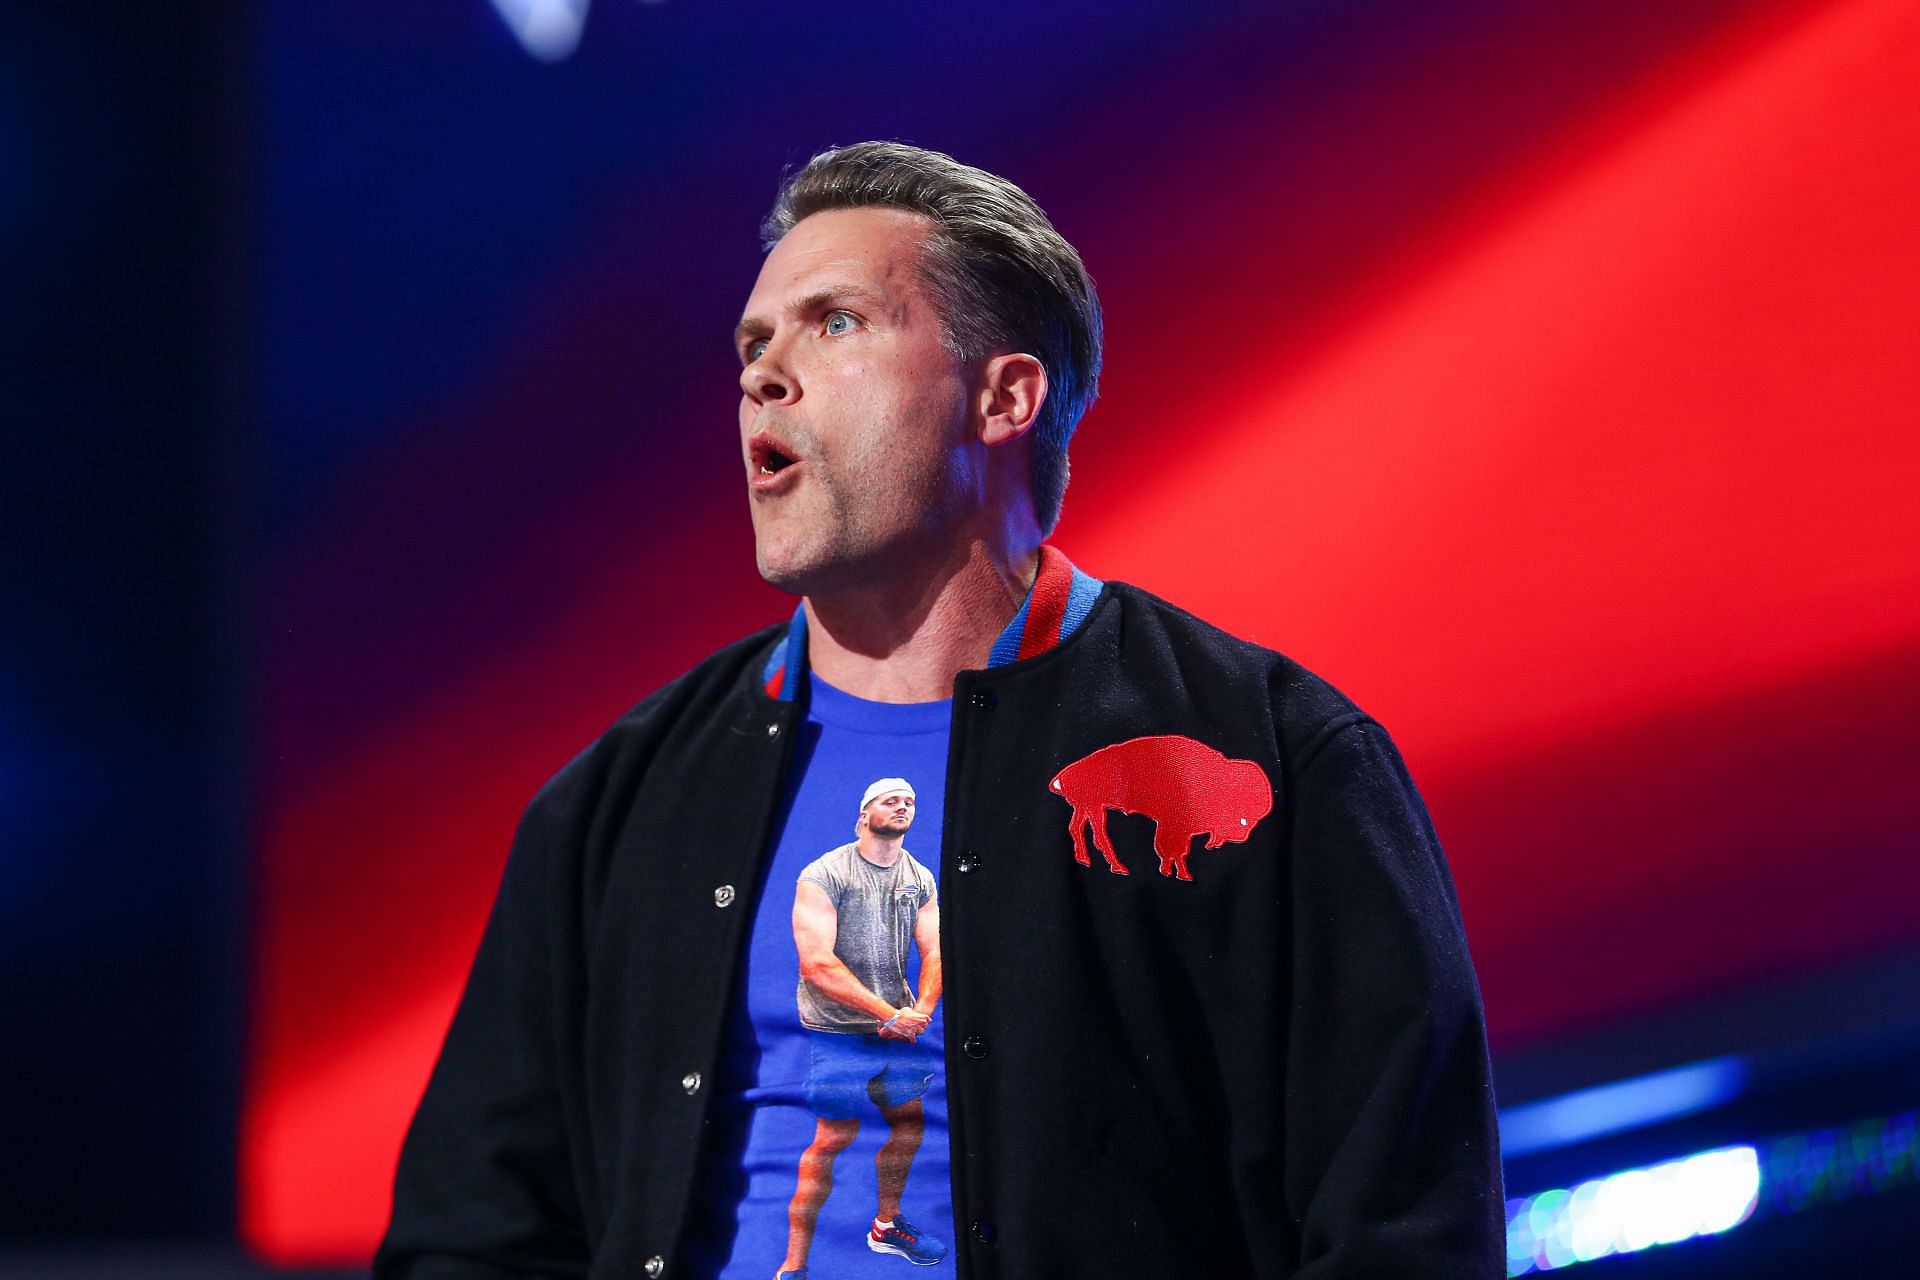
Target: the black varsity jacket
pixel 1275 1067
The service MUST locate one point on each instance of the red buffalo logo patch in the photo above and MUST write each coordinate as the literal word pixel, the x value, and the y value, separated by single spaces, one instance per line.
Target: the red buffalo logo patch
pixel 1185 786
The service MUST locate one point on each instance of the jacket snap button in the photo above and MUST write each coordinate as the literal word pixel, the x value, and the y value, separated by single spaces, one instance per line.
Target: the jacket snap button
pixel 723 896
pixel 690 1082
pixel 974 1047
pixel 773 731
pixel 968 863
pixel 655 1266
pixel 983 699
pixel 983 1231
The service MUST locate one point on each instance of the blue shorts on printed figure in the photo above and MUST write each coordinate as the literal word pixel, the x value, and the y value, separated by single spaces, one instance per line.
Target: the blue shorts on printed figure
pixel 853 1072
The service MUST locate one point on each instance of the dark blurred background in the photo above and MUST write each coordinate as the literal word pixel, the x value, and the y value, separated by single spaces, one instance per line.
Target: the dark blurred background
pixel 1542 375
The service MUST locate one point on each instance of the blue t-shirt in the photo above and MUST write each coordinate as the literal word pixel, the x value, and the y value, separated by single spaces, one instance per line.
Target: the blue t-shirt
pixel 822 1120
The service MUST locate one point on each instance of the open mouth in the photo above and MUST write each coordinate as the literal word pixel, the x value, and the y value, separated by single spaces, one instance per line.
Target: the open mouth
pixel 769 458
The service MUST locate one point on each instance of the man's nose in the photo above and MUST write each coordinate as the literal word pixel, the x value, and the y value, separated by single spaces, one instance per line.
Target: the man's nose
pixel 767 380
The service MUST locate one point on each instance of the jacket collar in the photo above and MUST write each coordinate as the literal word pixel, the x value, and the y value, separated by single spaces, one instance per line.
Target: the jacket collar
pixel 1060 600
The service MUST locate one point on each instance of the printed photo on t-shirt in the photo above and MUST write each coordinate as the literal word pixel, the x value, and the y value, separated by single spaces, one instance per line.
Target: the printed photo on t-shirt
pixel 861 911
pixel 828 1149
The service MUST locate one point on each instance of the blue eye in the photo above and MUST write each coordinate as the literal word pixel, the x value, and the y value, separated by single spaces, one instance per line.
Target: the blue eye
pixel 835 327
pixel 756 349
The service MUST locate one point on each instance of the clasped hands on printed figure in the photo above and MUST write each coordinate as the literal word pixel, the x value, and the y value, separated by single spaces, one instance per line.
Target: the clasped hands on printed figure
pixel 907 1024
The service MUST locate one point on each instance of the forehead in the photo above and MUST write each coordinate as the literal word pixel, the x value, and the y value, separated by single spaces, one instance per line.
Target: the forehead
pixel 874 247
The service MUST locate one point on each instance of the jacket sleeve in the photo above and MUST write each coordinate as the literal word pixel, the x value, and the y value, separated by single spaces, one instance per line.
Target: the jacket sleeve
pixel 484 1189
pixel 1392 1152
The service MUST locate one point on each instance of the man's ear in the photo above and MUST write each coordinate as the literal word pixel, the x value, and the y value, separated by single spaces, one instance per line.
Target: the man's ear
pixel 1013 387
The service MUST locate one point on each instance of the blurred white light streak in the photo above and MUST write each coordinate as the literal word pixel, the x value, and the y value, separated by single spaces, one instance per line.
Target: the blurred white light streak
pixel 1700 1195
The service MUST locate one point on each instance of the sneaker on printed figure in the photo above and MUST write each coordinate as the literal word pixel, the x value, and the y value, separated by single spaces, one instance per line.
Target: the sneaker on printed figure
pixel 801 1274
pixel 907 1240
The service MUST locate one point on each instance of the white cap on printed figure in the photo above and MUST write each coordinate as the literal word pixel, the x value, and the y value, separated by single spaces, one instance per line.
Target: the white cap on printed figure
pixel 885 787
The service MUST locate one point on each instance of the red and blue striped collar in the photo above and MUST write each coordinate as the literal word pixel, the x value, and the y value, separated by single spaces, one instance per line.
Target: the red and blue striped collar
pixel 1059 602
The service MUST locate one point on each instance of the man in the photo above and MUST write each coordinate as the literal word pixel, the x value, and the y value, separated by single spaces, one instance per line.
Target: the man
pixel 855 911
pixel 1261 1057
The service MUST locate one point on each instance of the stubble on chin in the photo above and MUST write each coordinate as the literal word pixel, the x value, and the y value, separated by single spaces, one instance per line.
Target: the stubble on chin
pixel 796 557
pixel 811 544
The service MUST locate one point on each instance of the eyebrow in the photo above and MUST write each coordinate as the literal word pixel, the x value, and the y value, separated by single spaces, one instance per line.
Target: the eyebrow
pixel 754 327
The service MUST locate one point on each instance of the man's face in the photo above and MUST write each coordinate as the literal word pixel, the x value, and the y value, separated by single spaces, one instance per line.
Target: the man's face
pixel 852 412
pixel 890 815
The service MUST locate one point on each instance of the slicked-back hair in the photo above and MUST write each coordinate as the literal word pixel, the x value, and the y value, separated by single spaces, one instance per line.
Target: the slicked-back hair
pixel 1002 277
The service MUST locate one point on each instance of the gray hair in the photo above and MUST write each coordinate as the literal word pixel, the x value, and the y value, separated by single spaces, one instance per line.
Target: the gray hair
pixel 1002 277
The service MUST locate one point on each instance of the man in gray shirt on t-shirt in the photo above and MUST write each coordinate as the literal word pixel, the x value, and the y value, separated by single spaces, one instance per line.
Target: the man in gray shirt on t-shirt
pixel 855 911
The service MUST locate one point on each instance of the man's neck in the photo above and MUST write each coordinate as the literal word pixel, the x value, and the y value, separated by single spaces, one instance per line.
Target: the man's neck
pixel 906 638
pixel 879 850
